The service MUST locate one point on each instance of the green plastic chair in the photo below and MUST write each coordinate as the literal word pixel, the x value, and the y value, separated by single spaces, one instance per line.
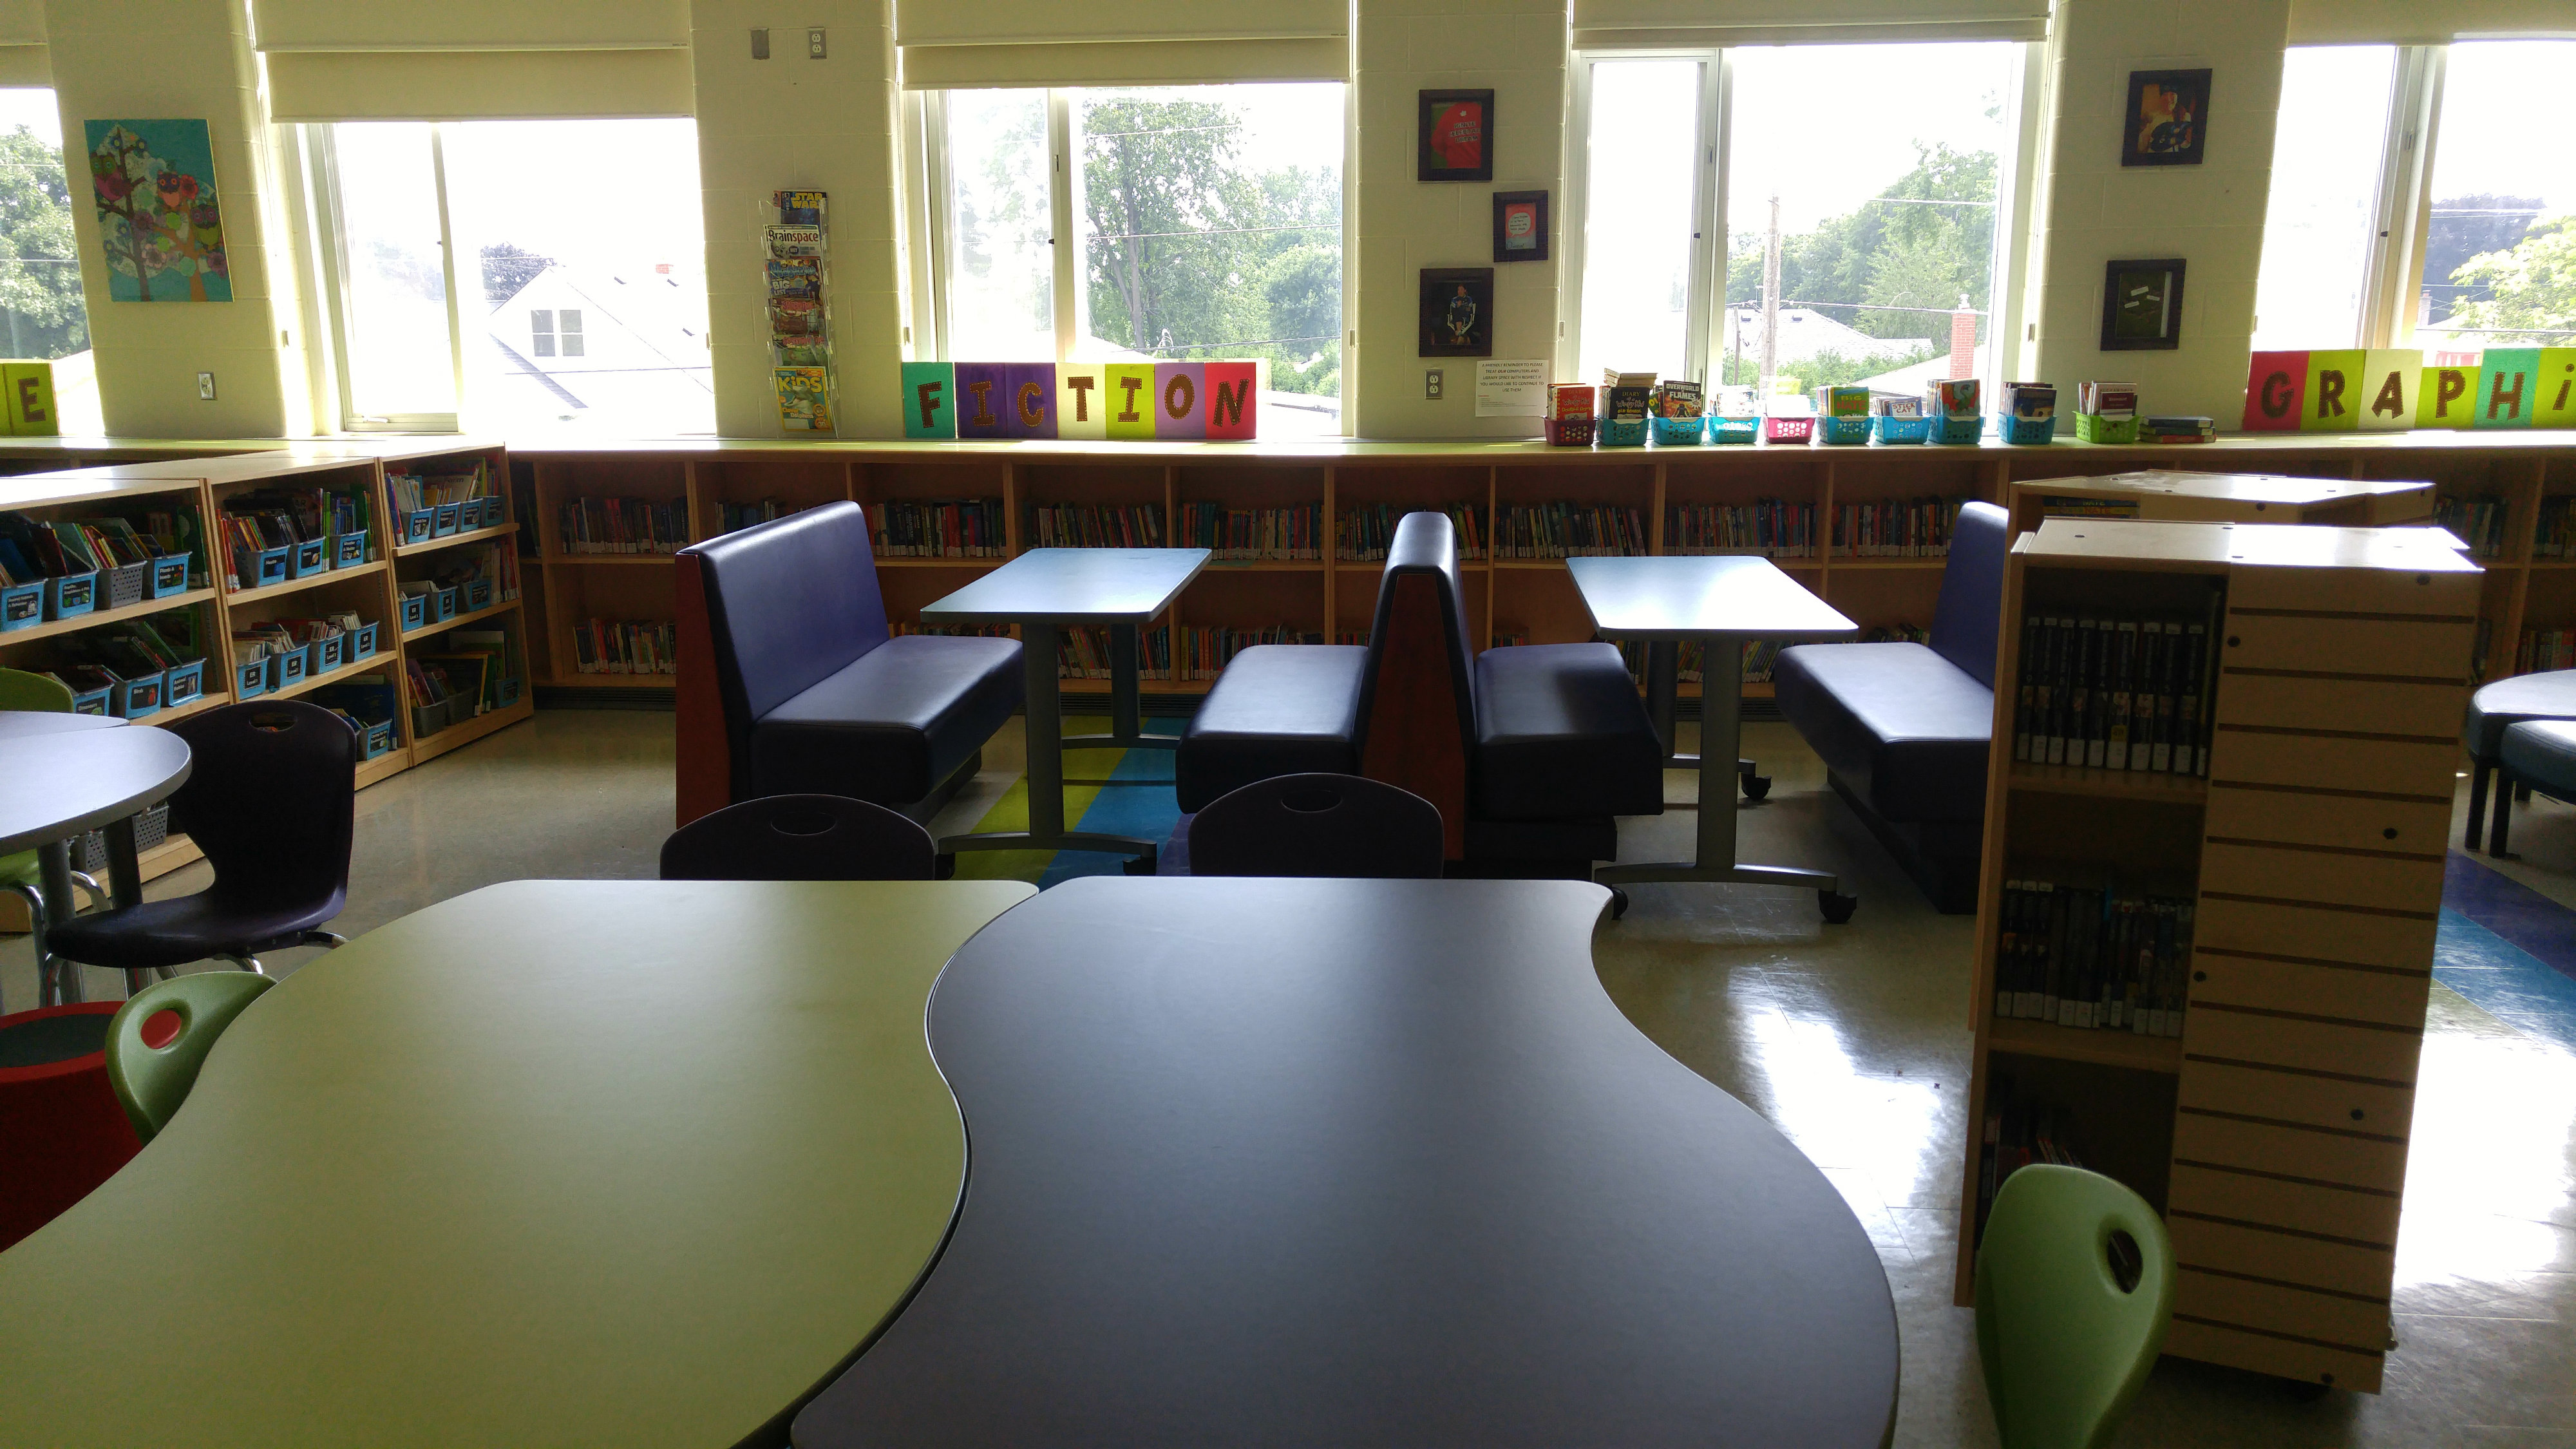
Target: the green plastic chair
pixel 2066 1346
pixel 20 874
pixel 152 1081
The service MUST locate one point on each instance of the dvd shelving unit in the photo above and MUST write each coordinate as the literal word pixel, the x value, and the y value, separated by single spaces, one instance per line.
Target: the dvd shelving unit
pixel 200 486
pixel 2271 1131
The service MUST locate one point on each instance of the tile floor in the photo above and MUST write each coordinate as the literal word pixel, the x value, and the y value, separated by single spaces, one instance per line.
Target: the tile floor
pixel 1854 1040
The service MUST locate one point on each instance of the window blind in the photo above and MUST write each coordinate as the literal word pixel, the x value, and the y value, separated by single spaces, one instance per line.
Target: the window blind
pixel 1669 24
pixel 2406 22
pixel 977 43
pixel 329 60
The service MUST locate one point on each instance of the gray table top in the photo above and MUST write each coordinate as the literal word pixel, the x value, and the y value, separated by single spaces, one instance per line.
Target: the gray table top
pixel 1685 598
pixel 56 786
pixel 20 724
pixel 1344 1162
pixel 1075 586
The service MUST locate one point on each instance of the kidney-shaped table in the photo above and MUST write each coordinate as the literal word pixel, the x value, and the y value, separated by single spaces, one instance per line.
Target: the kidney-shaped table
pixel 1345 1162
pixel 553 1163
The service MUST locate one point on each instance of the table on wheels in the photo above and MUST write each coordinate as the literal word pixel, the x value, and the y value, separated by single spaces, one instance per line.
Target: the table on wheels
pixel 62 775
pixel 1724 603
pixel 1043 591
pixel 553 1163
pixel 1356 1162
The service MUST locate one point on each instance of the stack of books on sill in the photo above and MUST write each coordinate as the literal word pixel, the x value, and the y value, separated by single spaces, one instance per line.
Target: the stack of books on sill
pixel 1094 525
pixel 1772 527
pixel 1365 532
pixel 625 646
pixel 625 525
pixel 2177 428
pixel 1294 532
pixel 937 528
pixel 1569 530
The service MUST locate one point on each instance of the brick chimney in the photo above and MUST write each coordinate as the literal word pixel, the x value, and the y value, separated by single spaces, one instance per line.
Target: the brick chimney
pixel 1963 341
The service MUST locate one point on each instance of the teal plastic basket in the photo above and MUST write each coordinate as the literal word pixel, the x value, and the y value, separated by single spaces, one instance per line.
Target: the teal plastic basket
pixel 1900 430
pixel 1734 430
pixel 1616 434
pixel 1842 432
pixel 1957 430
pixel 1680 432
pixel 2023 431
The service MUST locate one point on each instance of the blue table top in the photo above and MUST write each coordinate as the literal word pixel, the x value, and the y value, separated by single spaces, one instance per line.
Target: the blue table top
pixel 1074 586
pixel 1687 597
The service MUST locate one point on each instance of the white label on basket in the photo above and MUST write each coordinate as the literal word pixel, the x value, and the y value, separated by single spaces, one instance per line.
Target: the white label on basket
pixel 1511 387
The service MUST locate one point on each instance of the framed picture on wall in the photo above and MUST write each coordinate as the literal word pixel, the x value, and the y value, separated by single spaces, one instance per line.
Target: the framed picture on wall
pixel 2142 306
pixel 1520 226
pixel 1457 312
pixel 2167 120
pixel 1456 136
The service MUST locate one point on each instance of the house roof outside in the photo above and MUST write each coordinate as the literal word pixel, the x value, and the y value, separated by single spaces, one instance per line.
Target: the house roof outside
pixel 1805 332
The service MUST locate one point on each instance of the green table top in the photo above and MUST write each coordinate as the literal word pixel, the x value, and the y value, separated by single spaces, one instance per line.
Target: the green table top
pixel 556 1162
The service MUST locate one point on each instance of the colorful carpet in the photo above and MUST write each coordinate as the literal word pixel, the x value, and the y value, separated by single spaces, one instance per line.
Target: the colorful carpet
pixel 2509 949
pixel 1116 792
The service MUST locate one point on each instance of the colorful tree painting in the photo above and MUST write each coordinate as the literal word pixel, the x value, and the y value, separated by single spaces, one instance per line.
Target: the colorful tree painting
pixel 158 219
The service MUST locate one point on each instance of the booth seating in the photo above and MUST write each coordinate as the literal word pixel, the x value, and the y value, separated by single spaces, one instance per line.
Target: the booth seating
pixel 790 682
pixel 1528 752
pixel 2494 710
pixel 2535 755
pixel 1904 729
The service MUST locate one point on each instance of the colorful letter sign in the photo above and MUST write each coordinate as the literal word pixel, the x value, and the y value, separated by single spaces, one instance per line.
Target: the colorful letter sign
pixel 929 400
pixel 1082 401
pixel 2385 390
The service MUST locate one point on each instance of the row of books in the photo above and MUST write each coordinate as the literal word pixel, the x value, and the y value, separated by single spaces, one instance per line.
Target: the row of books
pixel 744 515
pixel 2478 521
pixel 1083 652
pixel 465 674
pixel 1774 527
pixel 313 513
pixel 263 638
pixel 2545 649
pixel 2093 960
pixel 2115 693
pixel 625 646
pixel 1568 530
pixel 938 528
pixel 2555 536
pixel 412 492
pixel 1205 649
pixel 624 525
pixel 1365 532
pixel 1894 528
pixel 136 648
pixel 2115 402
pixel 1293 532
pixel 30 550
pixel 496 562
pixel 2020 1128
pixel 1094 525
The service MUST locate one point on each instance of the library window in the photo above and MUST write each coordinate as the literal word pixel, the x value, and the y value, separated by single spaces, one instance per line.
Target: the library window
pixel 1878 268
pixel 40 285
pixel 2323 218
pixel 2499 238
pixel 1200 222
pixel 554 312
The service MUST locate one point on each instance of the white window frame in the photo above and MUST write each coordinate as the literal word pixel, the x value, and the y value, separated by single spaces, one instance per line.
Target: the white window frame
pixel 2009 272
pixel 323 160
pixel 927 207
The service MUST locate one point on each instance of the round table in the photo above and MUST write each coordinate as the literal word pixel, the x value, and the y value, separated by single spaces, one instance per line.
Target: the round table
pixel 21 724
pixel 65 781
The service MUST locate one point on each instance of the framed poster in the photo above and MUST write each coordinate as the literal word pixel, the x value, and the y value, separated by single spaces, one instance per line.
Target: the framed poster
pixel 1457 312
pixel 1520 226
pixel 2167 119
pixel 159 223
pixel 2142 306
pixel 1455 136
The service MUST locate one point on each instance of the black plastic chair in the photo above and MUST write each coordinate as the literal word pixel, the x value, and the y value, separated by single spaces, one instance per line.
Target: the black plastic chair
pixel 800 837
pixel 1318 825
pixel 271 800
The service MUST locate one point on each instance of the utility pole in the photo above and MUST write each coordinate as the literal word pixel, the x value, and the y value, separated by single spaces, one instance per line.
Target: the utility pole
pixel 1770 308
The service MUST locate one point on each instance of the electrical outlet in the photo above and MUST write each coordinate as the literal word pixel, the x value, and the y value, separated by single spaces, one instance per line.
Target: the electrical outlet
pixel 760 45
pixel 813 45
pixel 1431 384
pixel 206 386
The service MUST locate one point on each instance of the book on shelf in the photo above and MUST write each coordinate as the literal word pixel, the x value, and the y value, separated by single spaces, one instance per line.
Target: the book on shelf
pixel 1083 652
pixel 804 398
pixel 935 528
pixel 625 646
pixel 1842 401
pixel 1734 400
pixel 795 276
pixel 1772 527
pixel 2116 694
pixel 624 525
pixel 412 492
pixel 1294 532
pixel 2545 649
pixel 1093 525
pixel 1568 530
pixel 2091 959
pixel 2020 1128
pixel 1896 407
pixel 2177 428
pixel 1203 650
pixel 2056 506
pixel 1365 532
pixel 2111 401
pixel 1690 664
pixel 799 208
pixel 2031 402
pixel 1895 528
pixel 1957 399
pixel 1678 398
pixel 2555 534
pixel 1568 401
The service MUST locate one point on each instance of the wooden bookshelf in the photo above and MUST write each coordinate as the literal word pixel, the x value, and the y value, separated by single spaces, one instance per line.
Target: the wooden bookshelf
pixel 199 481
pixel 2272 1132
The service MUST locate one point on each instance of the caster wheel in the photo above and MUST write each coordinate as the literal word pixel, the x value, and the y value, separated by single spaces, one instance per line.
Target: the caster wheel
pixel 945 867
pixel 2304 1392
pixel 1141 865
pixel 1756 787
pixel 1618 903
pixel 1837 908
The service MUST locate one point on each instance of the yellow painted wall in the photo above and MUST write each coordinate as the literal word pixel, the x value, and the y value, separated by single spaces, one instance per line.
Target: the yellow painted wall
pixel 190 58
pixel 2210 215
pixel 791 122
pixel 1518 48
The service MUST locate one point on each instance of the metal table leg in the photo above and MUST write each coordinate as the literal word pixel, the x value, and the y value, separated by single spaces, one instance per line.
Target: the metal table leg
pixel 1663 691
pixel 125 887
pixel 58 982
pixel 1721 705
pixel 1126 702
pixel 1038 655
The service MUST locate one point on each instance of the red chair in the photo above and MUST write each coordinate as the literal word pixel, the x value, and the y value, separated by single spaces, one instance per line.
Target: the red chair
pixel 61 1129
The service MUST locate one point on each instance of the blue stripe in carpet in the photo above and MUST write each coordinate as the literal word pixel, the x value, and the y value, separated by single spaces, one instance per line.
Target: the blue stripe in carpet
pixel 2541 927
pixel 1138 801
pixel 2504 980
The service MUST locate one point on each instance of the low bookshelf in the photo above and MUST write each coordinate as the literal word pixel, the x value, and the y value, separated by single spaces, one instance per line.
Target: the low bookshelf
pixel 2205 933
